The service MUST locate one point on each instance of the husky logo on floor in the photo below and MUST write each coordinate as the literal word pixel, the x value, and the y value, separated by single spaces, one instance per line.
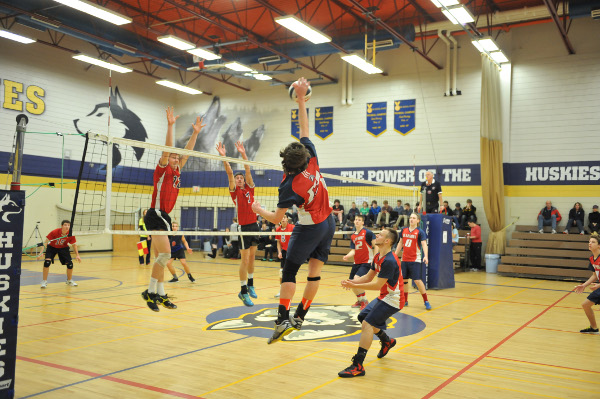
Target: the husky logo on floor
pixel 323 322
pixel 124 123
pixel 8 207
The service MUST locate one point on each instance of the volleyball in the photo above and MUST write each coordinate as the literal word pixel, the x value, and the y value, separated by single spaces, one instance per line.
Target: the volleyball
pixel 293 95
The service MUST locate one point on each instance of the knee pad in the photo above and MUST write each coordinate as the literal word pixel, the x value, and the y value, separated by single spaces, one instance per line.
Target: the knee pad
pixel 361 317
pixel 163 258
pixel 313 278
pixel 47 263
pixel 69 265
pixel 288 277
pixel 290 269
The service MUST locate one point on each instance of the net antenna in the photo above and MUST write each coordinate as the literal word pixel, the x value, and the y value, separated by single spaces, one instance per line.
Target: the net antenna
pixel 22 121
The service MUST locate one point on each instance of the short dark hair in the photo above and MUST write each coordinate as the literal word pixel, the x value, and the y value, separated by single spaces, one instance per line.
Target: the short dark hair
pixel 373 202
pixel 393 234
pixel 469 201
pixel 337 200
pixel 360 215
pixel 240 174
pixel 65 221
pixel 295 158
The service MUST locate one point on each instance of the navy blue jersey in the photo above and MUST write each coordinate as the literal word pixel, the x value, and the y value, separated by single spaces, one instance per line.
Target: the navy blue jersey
pixel 176 243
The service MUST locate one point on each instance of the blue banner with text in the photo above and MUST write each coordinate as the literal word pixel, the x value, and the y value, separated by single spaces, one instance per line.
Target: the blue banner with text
pixel 376 118
pixel 323 122
pixel 404 116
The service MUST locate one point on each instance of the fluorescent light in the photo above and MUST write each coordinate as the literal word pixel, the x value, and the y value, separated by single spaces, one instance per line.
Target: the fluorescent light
pixel 176 42
pixel 478 46
pixel 97 11
pixel 499 57
pixel 177 86
pixel 17 38
pixel 207 55
pixel 102 63
pixel 362 64
pixel 488 45
pixel 261 76
pixel 459 15
pixel 445 3
pixel 303 29
pixel 236 66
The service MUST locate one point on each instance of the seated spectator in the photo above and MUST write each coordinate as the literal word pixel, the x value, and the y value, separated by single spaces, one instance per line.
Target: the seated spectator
pixel 445 210
pixel 338 212
pixel 353 211
pixel 227 248
pixel 475 247
pixel 293 214
pixel 348 226
pixel 365 209
pixel 594 220
pixel 576 215
pixel 214 244
pixel 403 217
pixel 374 212
pixel 399 208
pixel 548 216
pixel 457 213
pixel 267 243
pixel 386 211
pixel 468 214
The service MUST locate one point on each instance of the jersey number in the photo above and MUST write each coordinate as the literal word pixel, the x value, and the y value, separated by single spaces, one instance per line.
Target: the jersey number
pixel 408 242
pixel 312 192
pixel 358 245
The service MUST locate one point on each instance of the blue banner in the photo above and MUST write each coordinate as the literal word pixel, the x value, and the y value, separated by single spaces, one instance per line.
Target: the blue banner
pixel 552 173
pixel 323 122
pixel 447 175
pixel 296 123
pixel 376 118
pixel 12 205
pixel 404 116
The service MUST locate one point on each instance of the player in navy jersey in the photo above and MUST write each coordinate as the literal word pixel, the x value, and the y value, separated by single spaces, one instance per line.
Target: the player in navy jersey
pixel 390 284
pixel 361 248
pixel 412 240
pixel 166 189
pixel 302 185
pixel 241 190
pixel 179 246
pixel 594 297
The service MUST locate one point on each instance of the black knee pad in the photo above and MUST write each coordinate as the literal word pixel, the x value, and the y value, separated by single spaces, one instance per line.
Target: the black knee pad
pixel 290 269
pixel 288 277
pixel 69 265
pixel 47 263
pixel 361 317
pixel 313 278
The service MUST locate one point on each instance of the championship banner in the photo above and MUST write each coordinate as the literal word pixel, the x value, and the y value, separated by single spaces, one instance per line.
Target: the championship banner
pixel 376 118
pixel 12 204
pixel 296 123
pixel 142 247
pixel 323 122
pixel 404 116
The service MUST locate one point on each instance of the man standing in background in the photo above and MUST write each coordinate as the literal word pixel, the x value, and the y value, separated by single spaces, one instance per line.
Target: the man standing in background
pixel 433 195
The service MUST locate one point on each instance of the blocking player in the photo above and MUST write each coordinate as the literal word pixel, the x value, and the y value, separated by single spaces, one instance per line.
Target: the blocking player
pixel 361 248
pixel 241 189
pixel 303 186
pixel 389 282
pixel 413 239
pixel 167 177
pixel 594 297
pixel 179 246
pixel 57 242
pixel 282 245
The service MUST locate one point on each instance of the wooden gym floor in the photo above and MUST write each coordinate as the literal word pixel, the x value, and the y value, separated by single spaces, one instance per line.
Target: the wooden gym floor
pixel 490 337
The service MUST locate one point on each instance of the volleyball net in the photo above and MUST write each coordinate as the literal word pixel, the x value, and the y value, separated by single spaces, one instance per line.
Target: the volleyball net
pixel 115 186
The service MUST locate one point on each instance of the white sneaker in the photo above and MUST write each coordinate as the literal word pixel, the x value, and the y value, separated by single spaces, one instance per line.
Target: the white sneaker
pixel 541 231
pixel 553 231
pixel 71 282
pixel 277 295
pixel 44 284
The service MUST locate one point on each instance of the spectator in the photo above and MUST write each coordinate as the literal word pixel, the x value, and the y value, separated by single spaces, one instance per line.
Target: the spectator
pixel 403 217
pixel 374 211
pixel 293 213
pixel 433 194
pixel 475 248
pixel 448 212
pixel 577 215
pixel 267 243
pixel 348 226
pixel 235 240
pixel 353 211
pixel 386 211
pixel 227 247
pixel 214 245
pixel 548 216
pixel 594 220
pixel 399 208
pixel 338 212
pixel 468 214
pixel 365 208
pixel 457 214
pixel 455 236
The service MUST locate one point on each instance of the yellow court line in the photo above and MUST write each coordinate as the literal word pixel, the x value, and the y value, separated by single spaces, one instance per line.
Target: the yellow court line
pixel 260 373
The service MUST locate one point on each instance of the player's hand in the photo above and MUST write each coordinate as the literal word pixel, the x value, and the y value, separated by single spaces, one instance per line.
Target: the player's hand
pixel 345 257
pixel 301 87
pixel 171 118
pixel 256 207
pixel 594 286
pixel 579 288
pixel 221 149
pixel 419 209
pixel 189 250
pixel 40 256
pixel 78 258
pixel 279 255
pixel 426 260
pixel 347 284
pixel 240 147
pixel 198 125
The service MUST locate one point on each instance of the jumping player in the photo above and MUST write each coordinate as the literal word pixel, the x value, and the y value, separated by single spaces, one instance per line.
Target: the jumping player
pixel 303 186
pixel 594 297
pixel 413 239
pixel 57 243
pixel 241 190
pixel 179 246
pixel 361 249
pixel 166 189
pixel 282 245
pixel 389 282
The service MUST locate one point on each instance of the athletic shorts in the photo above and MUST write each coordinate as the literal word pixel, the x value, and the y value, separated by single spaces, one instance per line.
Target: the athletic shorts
pixel 179 254
pixel 311 241
pixel 376 313
pixel 595 296
pixel 412 270
pixel 156 219
pixel 63 254
pixel 359 270
pixel 249 241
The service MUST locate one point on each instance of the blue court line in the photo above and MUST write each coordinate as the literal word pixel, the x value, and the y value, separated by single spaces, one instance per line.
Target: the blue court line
pixel 133 368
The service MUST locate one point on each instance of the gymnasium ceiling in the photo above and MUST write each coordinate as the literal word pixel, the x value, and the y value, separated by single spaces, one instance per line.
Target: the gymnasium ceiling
pixel 245 30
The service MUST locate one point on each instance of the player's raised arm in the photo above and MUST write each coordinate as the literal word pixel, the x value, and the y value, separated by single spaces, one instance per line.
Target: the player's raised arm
pixel 221 150
pixel 301 87
pixel 196 127
pixel 171 118
pixel 240 147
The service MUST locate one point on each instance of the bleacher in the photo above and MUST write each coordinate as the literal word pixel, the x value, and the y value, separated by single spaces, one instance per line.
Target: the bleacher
pixel 553 256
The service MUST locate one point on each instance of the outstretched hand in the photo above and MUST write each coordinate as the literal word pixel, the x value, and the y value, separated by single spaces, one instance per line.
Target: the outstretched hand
pixel 171 118
pixel 240 147
pixel 221 149
pixel 301 86
pixel 579 288
pixel 198 125
pixel 347 284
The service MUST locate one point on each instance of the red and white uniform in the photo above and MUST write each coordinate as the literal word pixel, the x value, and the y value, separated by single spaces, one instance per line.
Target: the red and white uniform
pixel 388 266
pixel 57 242
pixel 361 243
pixel 595 264
pixel 243 199
pixel 166 188
pixel 411 244
pixel 283 239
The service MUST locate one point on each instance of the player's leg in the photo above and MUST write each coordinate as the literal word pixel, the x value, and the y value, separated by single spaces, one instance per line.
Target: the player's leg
pixel 361 297
pixel 64 256
pixel 187 269
pixel 417 272
pixel 592 299
pixel 48 259
pixel 251 258
pixel 406 275
pixel 172 271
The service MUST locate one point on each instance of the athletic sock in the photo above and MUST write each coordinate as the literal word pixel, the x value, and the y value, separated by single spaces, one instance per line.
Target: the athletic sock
pixel 251 279
pixel 244 285
pixel 359 358
pixel 383 337
pixel 175 276
pixel 405 296
pixel 283 311
pixel 152 285
pixel 362 297
pixel 160 287
pixel 424 297
pixel 302 308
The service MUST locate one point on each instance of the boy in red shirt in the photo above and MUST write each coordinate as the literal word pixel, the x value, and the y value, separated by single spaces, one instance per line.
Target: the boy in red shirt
pixel 282 245
pixel 475 248
pixel 57 242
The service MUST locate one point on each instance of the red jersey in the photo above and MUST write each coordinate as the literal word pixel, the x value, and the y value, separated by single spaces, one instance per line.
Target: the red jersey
pixel 476 232
pixel 595 265
pixel 284 240
pixel 243 199
pixel 361 244
pixel 411 244
pixel 56 241
pixel 388 266
pixel 166 188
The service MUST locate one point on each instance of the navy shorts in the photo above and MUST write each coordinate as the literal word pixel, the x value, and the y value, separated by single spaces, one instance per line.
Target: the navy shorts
pixel 64 255
pixel 311 241
pixel 249 241
pixel 179 254
pixel 359 270
pixel 377 313
pixel 413 270
pixel 595 296
pixel 156 219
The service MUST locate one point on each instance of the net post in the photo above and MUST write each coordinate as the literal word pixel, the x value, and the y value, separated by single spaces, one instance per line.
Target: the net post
pixel 22 121
pixel 85 147
pixel 109 166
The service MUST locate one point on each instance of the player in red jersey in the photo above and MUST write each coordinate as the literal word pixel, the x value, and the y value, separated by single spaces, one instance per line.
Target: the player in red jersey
pixel 302 185
pixel 166 188
pixel 282 245
pixel 362 251
pixel 412 240
pixel 594 297
pixel 241 190
pixel 390 284
pixel 57 244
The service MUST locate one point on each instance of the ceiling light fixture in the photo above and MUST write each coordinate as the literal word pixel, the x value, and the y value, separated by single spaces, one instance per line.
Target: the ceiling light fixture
pixel 261 76
pixel 97 11
pixel 499 57
pixel 361 64
pixel 17 38
pixel 202 53
pixel 445 3
pixel 176 42
pixel 458 15
pixel 101 63
pixel 303 29
pixel 236 66
pixel 177 86
pixel 484 45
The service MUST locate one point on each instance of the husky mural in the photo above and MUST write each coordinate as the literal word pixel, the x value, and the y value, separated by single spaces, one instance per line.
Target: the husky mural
pixel 11 208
